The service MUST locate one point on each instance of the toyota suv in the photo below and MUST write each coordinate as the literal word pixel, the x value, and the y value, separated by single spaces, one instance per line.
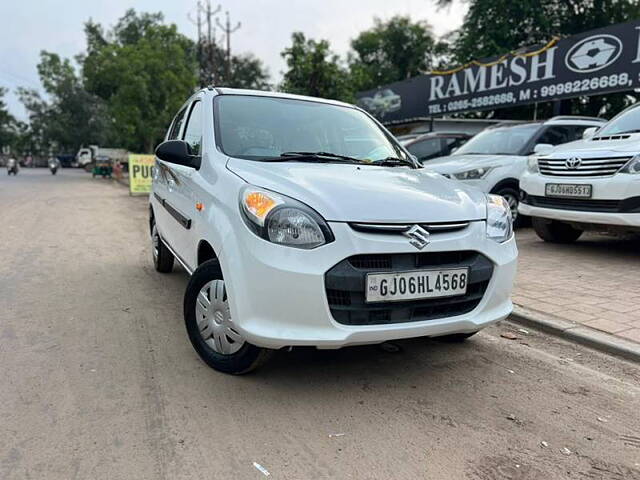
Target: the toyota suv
pixel 302 221
pixel 495 159
pixel 591 184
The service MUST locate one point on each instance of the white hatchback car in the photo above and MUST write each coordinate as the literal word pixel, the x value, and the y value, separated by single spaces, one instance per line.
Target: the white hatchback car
pixel 495 159
pixel 591 184
pixel 303 222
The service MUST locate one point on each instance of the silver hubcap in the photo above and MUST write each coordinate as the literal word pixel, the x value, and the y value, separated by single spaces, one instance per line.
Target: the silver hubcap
pixel 155 241
pixel 513 205
pixel 214 319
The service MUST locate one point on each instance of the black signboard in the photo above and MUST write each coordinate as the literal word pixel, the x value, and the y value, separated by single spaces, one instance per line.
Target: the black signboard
pixel 595 62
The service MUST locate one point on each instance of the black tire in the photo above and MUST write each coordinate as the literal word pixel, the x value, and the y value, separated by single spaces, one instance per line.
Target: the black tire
pixel 162 258
pixel 554 231
pixel 247 358
pixel 513 198
pixel 454 337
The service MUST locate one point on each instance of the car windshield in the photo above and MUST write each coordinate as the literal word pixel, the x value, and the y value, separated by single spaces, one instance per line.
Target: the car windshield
pixel 626 122
pixel 262 128
pixel 499 141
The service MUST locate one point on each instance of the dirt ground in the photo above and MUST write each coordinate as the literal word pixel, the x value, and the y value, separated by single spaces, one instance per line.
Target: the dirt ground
pixel 99 381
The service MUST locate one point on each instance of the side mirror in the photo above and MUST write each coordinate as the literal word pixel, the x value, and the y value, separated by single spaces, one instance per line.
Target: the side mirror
pixel 589 132
pixel 178 152
pixel 542 148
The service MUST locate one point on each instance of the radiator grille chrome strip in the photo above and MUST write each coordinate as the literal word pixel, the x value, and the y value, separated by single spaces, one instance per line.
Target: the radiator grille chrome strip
pixel 402 227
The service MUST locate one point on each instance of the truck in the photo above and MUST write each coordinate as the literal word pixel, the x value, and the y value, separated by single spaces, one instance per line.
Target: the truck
pixel 87 155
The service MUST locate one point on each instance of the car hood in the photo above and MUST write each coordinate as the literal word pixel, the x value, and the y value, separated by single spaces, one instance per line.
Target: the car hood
pixel 462 163
pixel 598 148
pixel 366 193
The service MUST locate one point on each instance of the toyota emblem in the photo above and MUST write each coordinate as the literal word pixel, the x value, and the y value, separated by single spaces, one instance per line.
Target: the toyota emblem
pixel 573 163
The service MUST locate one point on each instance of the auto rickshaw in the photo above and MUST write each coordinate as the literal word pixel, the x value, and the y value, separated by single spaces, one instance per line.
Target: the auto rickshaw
pixel 103 166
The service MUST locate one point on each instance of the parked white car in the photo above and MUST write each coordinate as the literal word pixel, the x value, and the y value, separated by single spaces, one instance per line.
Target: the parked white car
pixel 303 222
pixel 591 184
pixel 495 159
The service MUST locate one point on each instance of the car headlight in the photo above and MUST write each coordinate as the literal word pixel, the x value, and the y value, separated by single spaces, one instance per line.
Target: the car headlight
pixel 283 220
pixel 532 164
pixel 499 219
pixel 475 174
pixel 632 166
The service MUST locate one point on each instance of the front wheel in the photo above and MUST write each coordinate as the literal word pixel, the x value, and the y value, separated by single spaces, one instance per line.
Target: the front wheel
pixel 554 231
pixel 210 327
pixel 512 198
pixel 162 256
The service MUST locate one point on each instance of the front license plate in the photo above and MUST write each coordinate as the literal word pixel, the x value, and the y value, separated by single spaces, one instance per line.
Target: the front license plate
pixel 417 284
pixel 567 190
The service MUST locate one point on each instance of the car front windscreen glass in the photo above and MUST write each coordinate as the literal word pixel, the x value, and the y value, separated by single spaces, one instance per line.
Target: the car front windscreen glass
pixel 499 141
pixel 626 122
pixel 254 128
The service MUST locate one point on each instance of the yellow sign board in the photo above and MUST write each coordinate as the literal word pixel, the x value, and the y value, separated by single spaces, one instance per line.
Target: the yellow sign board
pixel 140 172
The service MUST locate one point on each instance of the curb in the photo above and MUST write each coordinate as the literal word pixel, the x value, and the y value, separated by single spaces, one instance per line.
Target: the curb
pixel 576 332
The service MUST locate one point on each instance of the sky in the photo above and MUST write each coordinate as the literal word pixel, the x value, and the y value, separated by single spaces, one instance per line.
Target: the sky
pixel 29 26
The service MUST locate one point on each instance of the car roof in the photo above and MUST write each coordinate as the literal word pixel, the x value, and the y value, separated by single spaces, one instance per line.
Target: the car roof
pixel 262 93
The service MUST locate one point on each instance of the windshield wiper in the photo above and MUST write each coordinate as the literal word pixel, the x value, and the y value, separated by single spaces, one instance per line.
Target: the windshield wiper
pixel 319 156
pixel 395 162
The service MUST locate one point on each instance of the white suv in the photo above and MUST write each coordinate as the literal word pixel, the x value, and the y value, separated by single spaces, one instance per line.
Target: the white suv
pixel 592 184
pixel 495 159
pixel 303 222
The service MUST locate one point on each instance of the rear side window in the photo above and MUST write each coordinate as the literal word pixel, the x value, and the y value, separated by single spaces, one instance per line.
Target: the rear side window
pixel 426 149
pixel 177 124
pixel 193 130
pixel 561 134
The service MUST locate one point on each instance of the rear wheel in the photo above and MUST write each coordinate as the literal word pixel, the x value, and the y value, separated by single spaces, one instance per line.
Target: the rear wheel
pixel 554 231
pixel 162 257
pixel 210 327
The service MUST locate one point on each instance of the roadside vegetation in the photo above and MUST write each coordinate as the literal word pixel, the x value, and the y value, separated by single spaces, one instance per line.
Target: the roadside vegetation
pixel 125 86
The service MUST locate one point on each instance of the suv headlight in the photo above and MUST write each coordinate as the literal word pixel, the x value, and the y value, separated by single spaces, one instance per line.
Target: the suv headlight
pixel 283 220
pixel 475 174
pixel 499 219
pixel 632 166
pixel 532 164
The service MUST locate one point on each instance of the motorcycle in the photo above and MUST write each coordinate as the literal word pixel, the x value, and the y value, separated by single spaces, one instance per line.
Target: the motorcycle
pixel 12 166
pixel 53 167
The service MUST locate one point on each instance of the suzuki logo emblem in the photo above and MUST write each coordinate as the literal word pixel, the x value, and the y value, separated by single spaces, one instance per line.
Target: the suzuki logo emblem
pixel 573 163
pixel 418 236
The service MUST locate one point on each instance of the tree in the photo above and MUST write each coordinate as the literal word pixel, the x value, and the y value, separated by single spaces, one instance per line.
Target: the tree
pixel 390 51
pixel 70 116
pixel 144 70
pixel 313 69
pixel 8 125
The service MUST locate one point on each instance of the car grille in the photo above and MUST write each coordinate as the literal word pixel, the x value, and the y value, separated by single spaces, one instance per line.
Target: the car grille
pixel 588 167
pixel 345 287
pixel 399 228
pixel 628 205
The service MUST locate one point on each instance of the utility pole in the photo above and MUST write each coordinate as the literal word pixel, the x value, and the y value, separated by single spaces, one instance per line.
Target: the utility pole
pixel 228 31
pixel 206 40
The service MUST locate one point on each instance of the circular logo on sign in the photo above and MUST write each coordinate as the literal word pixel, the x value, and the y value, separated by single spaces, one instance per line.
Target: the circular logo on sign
pixel 573 163
pixel 593 53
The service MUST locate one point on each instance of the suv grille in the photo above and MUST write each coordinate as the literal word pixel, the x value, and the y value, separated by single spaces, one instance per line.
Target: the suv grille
pixel 587 167
pixel 345 287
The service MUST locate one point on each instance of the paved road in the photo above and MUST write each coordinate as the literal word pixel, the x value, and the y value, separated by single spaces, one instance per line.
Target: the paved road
pixel 98 380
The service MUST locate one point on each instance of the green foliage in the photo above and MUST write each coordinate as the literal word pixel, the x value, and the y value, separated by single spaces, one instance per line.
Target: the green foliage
pixel 8 125
pixel 144 70
pixel 390 51
pixel 313 69
pixel 70 117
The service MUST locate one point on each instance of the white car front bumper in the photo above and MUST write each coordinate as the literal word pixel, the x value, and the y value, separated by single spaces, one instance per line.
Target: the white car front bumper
pixel 278 295
pixel 601 209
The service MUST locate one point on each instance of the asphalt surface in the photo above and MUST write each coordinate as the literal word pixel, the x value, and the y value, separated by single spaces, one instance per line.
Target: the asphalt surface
pixel 98 379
